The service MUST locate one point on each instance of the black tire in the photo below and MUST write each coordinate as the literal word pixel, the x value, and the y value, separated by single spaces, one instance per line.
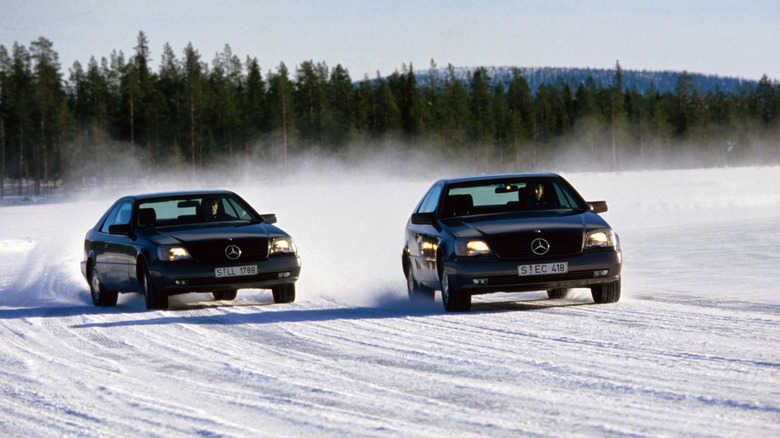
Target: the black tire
pixel 606 293
pixel 284 293
pixel 557 293
pixel 454 300
pixel 153 298
pixel 225 295
pixel 100 296
pixel 417 292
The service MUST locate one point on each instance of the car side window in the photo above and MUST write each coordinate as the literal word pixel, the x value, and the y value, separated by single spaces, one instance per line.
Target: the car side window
pixel 121 214
pixel 564 197
pixel 124 214
pixel 431 200
pixel 109 220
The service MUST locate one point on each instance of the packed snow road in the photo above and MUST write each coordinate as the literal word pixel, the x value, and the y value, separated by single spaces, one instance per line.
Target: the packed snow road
pixel 691 349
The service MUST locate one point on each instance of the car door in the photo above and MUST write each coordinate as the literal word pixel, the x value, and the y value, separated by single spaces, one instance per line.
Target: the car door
pixel 423 238
pixel 115 257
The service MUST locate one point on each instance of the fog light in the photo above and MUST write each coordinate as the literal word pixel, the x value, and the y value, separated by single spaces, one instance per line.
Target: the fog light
pixel 602 273
pixel 480 281
pixel 284 274
pixel 181 282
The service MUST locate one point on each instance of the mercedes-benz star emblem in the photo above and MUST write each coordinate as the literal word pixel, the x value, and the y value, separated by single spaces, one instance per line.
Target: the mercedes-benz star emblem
pixel 232 252
pixel 540 246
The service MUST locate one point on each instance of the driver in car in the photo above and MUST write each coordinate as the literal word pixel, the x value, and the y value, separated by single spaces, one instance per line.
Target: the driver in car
pixel 211 211
pixel 537 198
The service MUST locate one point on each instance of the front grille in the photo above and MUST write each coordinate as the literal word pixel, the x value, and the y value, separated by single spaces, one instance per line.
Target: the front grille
pixel 518 246
pixel 506 280
pixel 233 280
pixel 213 252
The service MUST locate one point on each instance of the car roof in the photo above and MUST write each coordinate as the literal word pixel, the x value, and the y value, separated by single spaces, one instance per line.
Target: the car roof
pixel 496 176
pixel 179 193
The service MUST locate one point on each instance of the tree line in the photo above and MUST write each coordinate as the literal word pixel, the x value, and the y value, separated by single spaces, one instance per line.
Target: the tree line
pixel 191 113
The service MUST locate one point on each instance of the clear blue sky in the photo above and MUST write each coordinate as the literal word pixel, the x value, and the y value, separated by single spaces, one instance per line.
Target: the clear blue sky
pixel 729 38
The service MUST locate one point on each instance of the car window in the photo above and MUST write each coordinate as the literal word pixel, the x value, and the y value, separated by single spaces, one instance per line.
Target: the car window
pixel 124 214
pixel 193 209
pixel 235 210
pixel 109 220
pixel 120 215
pixel 466 199
pixel 431 200
pixel 168 209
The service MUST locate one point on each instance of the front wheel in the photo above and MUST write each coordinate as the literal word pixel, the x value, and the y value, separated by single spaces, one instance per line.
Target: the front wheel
pixel 606 293
pixel 284 293
pixel 100 296
pixel 454 300
pixel 153 298
pixel 417 292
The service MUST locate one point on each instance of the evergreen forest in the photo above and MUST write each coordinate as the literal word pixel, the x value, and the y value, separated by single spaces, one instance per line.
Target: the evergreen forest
pixel 192 113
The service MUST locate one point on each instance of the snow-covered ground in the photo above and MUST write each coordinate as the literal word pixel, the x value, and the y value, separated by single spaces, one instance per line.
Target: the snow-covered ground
pixel 692 348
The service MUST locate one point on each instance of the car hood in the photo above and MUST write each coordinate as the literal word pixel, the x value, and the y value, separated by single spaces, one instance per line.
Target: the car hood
pixel 179 235
pixel 493 225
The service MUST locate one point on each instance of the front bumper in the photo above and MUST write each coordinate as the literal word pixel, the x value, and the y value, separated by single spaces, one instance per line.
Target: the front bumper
pixel 488 275
pixel 172 279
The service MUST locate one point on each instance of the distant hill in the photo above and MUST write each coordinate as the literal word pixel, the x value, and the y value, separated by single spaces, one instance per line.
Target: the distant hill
pixel 663 81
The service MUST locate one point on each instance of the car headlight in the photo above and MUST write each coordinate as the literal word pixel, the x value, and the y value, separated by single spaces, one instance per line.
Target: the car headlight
pixel 282 245
pixel 604 238
pixel 173 254
pixel 471 248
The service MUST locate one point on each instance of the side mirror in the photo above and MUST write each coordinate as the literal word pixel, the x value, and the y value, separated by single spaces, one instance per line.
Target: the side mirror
pixel 422 218
pixel 269 218
pixel 598 206
pixel 120 229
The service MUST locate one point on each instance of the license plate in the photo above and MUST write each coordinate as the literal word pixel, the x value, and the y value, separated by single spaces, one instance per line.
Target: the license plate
pixel 543 269
pixel 235 271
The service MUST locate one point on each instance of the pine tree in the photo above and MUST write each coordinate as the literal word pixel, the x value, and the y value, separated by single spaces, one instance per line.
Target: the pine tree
pixel 254 108
pixel 409 103
pixel 457 112
pixel 386 113
pixel 616 100
pixel 311 100
pixel 768 98
pixel 145 114
pixel 432 107
pixel 684 92
pixel 503 122
pixel 482 128
pixel 281 109
pixel 50 97
pixel 363 102
pixel 340 94
pixel 171 89
pixel 225 82
pixel 193 79
pixel 521 109
pixel 20 96
pixel 5 71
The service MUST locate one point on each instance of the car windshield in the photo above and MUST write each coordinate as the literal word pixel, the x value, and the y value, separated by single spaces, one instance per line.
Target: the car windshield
pixel 191 209
pixel 511 195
